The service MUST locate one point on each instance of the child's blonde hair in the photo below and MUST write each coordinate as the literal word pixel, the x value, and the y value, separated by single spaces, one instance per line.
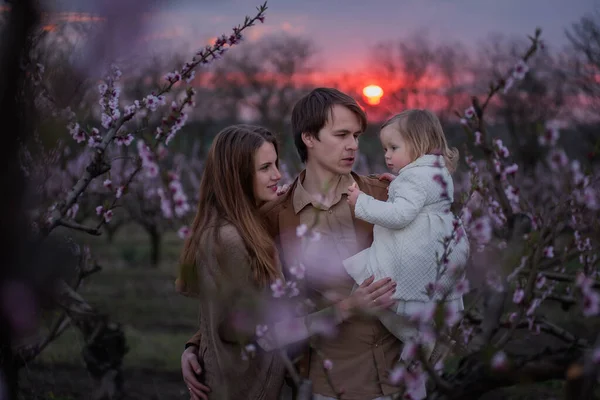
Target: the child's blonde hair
pixel 424 134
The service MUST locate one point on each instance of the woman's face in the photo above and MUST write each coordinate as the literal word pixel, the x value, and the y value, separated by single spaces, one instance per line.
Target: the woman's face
pixel 266 174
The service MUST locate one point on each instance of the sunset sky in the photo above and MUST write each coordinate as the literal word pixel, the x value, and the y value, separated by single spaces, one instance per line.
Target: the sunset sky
pixel 344 29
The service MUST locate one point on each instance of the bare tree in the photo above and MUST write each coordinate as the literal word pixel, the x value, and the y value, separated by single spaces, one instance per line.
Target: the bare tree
pixel 452 66
pixel 584 38
pixel 522 112
pixel 265 79
pixel 405 65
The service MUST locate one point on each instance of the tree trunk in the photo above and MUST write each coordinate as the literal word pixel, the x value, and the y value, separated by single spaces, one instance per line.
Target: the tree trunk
pixel 155 243
pixel 21 20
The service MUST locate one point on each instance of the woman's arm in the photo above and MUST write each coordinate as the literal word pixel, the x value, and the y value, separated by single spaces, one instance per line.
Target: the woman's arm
pixel 407 198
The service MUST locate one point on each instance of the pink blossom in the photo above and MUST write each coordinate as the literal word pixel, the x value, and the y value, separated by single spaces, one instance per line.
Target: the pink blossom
pixel 151 102
pixel 451 316
pixel 191 76
pixel 94 141
pixel 596 355
pixel 107 183
pixel 481 230
pixel 512 193
pixel 549 252
pixel 396 375
pixel 108 216
pixel 550 135
pixel 535 303
pixel 499 361
pixel 298 271
pixel 301 230
pixel 249 351
pixel 278 288
pixel 327 364
pixel 315 236
pixel 518 296
pixel 425 313
pixel 511 169
pixel 557 159
pixel 461 287
pixel 591 303
pixel 583 282
pixel 410 350
pixel 494 281
pixel 508 84
pixel 590 199
pixel 183 232
pixel 477 138
pixel 466 334
pixel 520 69
pixel 540 281
pixel 501 149
pixel 119 192
pixel 415 380
pixel 173 77
pixel 99 210
pixel 72 211
pixel 470 112
pixel 124 140
pixel 106 121
pixel 261 330
pixel 292 288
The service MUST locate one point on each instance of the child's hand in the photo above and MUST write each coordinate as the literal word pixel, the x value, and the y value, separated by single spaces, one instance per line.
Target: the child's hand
pixel 353 192
pixel 386 176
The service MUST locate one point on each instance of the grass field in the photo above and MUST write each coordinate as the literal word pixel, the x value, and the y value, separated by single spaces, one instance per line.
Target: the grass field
pixel 157 322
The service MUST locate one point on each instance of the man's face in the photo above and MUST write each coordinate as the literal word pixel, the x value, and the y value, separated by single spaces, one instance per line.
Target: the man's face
pixel 335 150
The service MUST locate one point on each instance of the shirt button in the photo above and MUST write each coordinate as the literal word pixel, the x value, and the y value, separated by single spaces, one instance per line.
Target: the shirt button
pixel 330 211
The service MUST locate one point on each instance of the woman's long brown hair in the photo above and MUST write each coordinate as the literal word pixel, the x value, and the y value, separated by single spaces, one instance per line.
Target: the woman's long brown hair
pixel 227 191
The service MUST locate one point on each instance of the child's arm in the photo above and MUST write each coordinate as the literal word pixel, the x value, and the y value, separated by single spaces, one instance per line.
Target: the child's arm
pixel 407 198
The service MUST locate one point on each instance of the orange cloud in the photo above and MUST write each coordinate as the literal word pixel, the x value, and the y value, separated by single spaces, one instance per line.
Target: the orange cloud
pixel 78 17
pixel 49 28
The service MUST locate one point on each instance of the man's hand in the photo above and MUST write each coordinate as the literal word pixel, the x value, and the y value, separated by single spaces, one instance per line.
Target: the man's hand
pixel 369 296
pixel 190 368
pixel 353 193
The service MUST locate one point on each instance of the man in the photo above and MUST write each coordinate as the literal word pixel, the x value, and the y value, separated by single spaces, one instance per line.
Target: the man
pixel 326 124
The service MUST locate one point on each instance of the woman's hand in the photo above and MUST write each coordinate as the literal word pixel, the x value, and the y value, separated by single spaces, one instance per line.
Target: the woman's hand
pixel 281 190
pixel 190 368
pixel 369 296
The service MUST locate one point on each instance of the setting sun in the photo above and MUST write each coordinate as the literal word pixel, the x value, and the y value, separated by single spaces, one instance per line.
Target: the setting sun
pixel 373 94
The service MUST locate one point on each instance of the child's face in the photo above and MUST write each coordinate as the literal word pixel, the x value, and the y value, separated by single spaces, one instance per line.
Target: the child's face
pixel 397 152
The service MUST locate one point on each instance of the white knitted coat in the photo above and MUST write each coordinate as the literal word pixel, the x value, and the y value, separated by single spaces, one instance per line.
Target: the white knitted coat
pixel 408 230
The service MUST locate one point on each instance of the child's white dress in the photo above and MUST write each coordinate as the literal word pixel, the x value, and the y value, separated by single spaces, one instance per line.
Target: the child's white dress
pixel 408 231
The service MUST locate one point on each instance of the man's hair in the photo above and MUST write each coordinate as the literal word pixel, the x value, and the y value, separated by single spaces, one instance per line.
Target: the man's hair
pixel 311 112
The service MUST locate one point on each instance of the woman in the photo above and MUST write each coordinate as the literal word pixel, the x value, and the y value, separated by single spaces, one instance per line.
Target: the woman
pixel 230 260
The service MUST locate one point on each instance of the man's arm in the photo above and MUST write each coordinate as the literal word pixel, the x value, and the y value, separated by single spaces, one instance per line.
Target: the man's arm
pixel 407 198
